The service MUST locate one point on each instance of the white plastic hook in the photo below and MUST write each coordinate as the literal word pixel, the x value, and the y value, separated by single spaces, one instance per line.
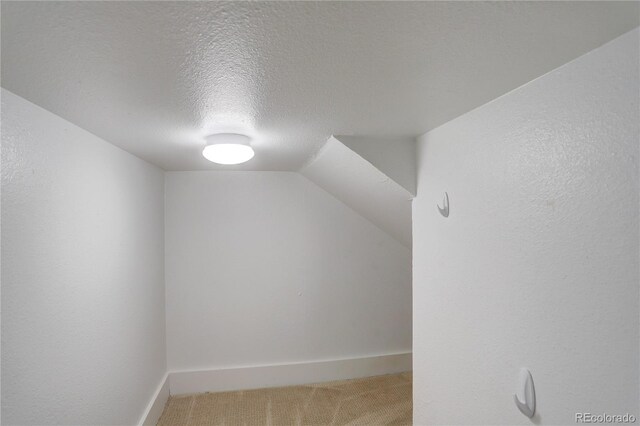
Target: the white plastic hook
pixel 444 210
pixel 528 392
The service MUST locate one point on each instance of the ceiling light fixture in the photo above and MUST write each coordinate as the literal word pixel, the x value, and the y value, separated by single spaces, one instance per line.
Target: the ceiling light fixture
pixel 228 148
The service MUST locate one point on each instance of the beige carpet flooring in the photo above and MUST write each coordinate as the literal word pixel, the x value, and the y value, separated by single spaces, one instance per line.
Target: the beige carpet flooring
pixel 381 400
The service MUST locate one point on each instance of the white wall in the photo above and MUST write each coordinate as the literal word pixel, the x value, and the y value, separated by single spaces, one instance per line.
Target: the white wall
pixel 537 264
pixel 395 157
pixel 267 268
pixel 82 274
pixel 362 186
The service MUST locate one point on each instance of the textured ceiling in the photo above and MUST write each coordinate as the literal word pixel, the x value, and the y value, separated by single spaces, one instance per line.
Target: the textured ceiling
pixel 155 77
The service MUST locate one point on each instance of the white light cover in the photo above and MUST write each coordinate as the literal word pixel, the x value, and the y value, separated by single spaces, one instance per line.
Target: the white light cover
pixel 228 148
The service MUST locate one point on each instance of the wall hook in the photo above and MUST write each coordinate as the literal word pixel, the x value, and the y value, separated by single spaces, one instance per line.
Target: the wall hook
pixel 444 210
pixel 528 392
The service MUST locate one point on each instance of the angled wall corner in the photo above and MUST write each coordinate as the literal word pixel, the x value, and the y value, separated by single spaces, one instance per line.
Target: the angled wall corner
pixel 365 188
pixel 395 157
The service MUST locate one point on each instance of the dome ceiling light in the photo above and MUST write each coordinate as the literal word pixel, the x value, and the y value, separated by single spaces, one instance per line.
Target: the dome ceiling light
pixel 228 148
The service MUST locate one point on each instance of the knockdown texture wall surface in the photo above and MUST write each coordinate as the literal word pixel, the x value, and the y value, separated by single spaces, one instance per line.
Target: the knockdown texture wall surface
pixel 267 268
pixel 83 326
pixel 537 264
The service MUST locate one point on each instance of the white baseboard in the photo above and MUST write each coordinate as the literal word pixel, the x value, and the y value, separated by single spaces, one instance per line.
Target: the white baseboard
pixel 227 379
pixel 156 405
